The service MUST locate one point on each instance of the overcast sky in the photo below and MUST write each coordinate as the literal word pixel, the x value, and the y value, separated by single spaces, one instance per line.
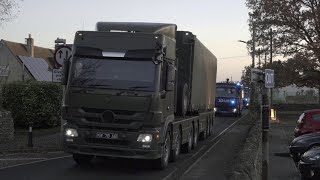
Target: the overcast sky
pixel 218 24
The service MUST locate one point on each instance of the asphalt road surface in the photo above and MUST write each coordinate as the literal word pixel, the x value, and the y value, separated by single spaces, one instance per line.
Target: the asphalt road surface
pixel 210 160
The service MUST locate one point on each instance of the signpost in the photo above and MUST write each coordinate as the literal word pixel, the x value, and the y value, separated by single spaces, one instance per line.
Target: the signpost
pixel 4 71
pixel 62 53
pixel 269 78
pixel 56 75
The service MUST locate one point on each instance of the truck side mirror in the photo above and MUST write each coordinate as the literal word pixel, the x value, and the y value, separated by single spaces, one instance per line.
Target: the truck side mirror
pixel 65 72
pixel 171 72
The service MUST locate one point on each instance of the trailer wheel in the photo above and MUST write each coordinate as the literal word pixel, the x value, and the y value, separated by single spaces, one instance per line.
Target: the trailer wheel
pixel 211 127
pixel 162 162
pixel 195 137
pixel 82 160
pixel 176 151
pixel 204 134
pixel 188 146
pixel 184 99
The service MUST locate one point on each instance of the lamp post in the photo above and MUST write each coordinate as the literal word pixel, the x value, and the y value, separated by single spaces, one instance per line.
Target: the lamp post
pixel 252 53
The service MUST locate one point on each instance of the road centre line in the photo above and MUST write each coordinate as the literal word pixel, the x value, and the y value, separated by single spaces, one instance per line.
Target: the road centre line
pixel 34 162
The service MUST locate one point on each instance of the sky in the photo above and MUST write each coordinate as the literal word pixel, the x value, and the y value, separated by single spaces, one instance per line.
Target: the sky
pixel 217 24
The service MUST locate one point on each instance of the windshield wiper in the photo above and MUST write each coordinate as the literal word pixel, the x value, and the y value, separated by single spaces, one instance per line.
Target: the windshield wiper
pixel 138 87
pixel 85 88
pixel 132 88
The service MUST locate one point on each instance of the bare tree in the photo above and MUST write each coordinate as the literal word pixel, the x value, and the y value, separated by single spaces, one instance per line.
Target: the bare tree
pixel 7 10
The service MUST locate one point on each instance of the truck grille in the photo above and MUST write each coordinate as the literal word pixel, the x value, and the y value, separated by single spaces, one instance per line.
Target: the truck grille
pixel 107 142
pixel 118 112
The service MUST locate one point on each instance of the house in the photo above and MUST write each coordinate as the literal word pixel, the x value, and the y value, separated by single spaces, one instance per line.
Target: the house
pixel 295 95
pixel 25 61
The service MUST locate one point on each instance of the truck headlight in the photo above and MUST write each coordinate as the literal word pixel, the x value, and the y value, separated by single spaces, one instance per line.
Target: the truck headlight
pixel 145 138
pixel 71 132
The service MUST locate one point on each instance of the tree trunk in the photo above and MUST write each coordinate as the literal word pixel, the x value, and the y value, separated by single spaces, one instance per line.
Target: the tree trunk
pixel 318 95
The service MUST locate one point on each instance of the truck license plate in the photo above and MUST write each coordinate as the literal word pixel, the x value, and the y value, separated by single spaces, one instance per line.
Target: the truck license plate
pixel 107 135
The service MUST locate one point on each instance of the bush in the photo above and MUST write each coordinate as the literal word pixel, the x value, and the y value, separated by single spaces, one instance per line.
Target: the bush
pixel 33 102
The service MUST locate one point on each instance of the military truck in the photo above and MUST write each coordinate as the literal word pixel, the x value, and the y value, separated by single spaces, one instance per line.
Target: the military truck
pixel 137 90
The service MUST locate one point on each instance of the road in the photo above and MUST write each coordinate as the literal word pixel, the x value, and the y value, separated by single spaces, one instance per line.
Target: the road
pixel 211 158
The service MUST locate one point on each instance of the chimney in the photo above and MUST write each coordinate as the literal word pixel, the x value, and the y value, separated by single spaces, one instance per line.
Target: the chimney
pixel 30 46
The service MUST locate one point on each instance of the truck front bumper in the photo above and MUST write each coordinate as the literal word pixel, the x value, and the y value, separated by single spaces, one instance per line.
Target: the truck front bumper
pixel 112 151
pixel 224 110
pixel 125 146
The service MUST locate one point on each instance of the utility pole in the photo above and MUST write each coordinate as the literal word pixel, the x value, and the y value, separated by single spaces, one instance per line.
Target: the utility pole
pixel 271 49
pixel 259 51
pixel 265 59
pixel 253 44
pixel 265 114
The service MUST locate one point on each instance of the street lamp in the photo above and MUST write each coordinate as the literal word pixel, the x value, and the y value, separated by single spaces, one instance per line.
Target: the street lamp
pixel 253 51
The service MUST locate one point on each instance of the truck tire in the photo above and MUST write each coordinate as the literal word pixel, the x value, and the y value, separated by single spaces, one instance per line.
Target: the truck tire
pixel 186 148
pixel 195 137
pixel 176 151
pixel 163 161
pixel 82 160
pixel 211 128
pixel 204 134
pixel 184 100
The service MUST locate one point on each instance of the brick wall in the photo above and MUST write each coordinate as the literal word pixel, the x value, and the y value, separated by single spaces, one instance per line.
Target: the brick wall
pixel 6 127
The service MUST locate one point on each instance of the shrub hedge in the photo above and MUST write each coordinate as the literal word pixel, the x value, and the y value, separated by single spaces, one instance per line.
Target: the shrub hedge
pixel 33 102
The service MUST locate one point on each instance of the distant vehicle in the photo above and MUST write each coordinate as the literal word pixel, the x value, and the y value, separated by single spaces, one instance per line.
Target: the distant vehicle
pixel 229 98
pixel 309 165
pixel 303 143
pixel 246 99
pixel 137 90
pixel 308 122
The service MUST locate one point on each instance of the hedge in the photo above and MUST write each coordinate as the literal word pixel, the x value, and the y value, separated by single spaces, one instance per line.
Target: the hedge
pixel 33 102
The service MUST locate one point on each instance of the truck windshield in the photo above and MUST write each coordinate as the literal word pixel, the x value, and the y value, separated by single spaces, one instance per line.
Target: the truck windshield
pixel 113 74
pixel 226 92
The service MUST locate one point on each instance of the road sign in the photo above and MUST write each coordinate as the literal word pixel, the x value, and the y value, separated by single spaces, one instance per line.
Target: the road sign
pixel 62 53
pixel 56 75
pixel 269 78
pixel 4 71
pixel 256 75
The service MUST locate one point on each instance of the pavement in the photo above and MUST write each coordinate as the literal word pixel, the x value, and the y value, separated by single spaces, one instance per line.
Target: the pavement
pixel 281 166
pixel 210 160
pixel 45 140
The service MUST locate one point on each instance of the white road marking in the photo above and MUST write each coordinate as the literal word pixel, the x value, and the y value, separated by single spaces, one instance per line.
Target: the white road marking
pixel 22 164
pixel 21 159
pixel 220 134
pixel 227 128
pixel 169 175
pixel 201 157
pixel 198 151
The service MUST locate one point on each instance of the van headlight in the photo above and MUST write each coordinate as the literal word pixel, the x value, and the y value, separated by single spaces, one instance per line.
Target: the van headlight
pixel 144 138
pixel 71 132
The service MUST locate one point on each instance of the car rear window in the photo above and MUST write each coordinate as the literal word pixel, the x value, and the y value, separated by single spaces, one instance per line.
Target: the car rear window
pixel 316 117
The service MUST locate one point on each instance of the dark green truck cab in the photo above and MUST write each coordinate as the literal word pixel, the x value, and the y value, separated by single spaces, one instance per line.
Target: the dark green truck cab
pixel 128 93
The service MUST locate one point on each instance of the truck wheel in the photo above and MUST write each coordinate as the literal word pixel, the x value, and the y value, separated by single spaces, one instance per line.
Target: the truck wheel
pixel 195 138
pixel 204 134
pixel 208 129
pixel 162 162
pixel 188 146
pixel 83 160
pixel 176 151
pixel 184 99
pixel 211 128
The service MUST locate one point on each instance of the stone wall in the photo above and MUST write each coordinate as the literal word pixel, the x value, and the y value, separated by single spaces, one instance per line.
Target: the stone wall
pixel 6 127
